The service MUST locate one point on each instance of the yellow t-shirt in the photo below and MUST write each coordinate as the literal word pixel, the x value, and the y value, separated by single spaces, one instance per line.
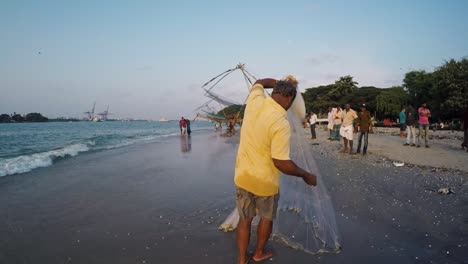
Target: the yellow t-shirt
pixel 337 118
pixel 348 117
pixel 264 135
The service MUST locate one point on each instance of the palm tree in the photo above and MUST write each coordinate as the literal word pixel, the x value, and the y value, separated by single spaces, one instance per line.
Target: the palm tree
pixel 345 85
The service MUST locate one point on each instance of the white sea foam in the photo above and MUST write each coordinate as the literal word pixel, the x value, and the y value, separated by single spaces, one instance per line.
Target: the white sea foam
pixel 27 163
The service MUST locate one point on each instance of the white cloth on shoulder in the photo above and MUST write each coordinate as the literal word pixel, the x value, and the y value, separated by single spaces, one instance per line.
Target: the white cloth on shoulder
pixel 347 132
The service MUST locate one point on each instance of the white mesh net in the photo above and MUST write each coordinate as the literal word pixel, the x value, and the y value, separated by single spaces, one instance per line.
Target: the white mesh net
pixel 305 218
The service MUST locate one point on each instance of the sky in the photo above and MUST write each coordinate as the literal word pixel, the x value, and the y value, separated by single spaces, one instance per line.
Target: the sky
pixel 149 59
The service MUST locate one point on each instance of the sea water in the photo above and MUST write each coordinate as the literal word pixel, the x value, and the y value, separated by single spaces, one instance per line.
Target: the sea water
pixel 26 146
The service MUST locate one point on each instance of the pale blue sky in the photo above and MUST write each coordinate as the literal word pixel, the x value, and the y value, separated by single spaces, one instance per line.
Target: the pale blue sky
pixel 148 59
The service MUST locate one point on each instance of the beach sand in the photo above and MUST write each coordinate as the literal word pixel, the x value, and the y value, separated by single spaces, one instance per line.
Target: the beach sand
pixel 162 203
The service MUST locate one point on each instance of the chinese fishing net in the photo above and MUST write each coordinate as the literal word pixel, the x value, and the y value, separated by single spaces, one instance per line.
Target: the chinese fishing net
pixel 305 218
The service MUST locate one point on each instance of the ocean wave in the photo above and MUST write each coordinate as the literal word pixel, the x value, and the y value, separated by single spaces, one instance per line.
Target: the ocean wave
pixel 27 163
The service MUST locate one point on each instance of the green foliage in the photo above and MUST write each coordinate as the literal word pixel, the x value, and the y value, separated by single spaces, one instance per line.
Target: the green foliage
pixel 390 101
pixel 232 111
pixel 35 117
pixel 450 88
pixel 17 118
pixel 319 99
pixel 4 118
pixel 364 95
pixel 31 117
pixel 445 91
pixel 419 86
pixel 345 85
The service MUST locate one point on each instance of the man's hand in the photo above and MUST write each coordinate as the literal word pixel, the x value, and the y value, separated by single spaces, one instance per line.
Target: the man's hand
pixel 288 167
pixel 267 83
pixel 310 179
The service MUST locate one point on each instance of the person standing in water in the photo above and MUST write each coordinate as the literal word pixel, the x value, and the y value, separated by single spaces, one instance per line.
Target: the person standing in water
pixel 187 123
pixel 183 126
pixel 263 153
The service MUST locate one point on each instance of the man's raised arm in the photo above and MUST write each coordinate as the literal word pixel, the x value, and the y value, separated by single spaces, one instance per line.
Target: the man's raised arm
pixel 267 83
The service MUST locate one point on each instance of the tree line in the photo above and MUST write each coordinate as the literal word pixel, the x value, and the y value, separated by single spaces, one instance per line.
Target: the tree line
pixel 445 91
pixel 17 118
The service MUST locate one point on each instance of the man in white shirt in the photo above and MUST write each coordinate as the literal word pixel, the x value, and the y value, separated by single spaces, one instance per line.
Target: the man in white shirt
pixel 312 122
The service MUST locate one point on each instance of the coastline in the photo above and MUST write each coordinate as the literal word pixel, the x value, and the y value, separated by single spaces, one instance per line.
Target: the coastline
pixel 162 202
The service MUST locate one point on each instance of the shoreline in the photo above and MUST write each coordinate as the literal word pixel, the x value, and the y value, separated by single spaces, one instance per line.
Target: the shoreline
pixel 162 202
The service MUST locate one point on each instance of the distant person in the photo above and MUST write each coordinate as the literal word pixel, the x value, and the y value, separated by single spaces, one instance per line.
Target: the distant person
pixel 337 124
pixel 330 122
pixel 312 123
pixel 402 118
pixel 363 125
pixel 183 126
pixel 424 115
pixel 263 153
pixel 465 129
pixel 410 126
pixel 347 129
pixel 231 130
pixel 187 122
pixel 372 128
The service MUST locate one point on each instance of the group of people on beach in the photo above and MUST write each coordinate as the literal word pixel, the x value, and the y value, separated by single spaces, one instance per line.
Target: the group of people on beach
pixel 184 125
pixel 345 123
pixel 408 121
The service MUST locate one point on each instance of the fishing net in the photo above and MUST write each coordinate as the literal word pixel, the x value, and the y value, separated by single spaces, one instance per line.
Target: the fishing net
pixel 305 218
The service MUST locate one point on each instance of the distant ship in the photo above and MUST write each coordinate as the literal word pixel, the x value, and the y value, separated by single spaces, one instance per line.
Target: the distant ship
pixel 163 120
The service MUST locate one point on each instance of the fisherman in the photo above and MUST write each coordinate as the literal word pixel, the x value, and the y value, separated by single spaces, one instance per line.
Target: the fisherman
pixel 263 153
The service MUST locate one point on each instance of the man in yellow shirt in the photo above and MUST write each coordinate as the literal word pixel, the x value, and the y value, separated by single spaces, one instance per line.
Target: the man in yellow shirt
pixel 263 153
pixel 347 128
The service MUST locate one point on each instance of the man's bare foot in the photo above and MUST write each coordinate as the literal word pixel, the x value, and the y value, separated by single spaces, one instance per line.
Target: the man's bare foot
pixel 263 256
pixel 345 150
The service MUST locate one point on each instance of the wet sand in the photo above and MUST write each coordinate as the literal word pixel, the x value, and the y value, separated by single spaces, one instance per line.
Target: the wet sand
pixel 162 203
